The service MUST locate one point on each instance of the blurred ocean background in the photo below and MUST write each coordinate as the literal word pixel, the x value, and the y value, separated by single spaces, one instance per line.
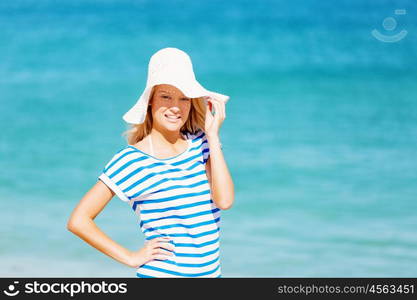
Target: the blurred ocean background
pixel 320 134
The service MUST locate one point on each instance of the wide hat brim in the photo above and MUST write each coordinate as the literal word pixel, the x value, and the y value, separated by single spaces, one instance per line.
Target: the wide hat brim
pixel 137 114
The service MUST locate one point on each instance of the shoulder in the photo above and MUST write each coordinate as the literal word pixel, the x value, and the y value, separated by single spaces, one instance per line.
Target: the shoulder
pixel 120 157
pixel 142 145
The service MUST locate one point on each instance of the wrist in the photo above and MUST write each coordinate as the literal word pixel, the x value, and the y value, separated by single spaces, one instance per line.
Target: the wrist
pixel 212 136
pixel 128 259
pixel 214 140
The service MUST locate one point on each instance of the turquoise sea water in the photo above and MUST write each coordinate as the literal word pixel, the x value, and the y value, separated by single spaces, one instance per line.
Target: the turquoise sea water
pixel 320 134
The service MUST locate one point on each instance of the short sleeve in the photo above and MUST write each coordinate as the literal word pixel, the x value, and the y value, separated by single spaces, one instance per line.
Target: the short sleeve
pixel 109 175
pixel 205 147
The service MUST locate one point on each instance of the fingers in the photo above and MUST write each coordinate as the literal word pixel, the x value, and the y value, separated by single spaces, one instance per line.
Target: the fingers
pixel 167 246
pixel 160 251
pixel 161 257
pixel 160 239
pixel 158 246
pixel 219 108
pixel 208 112
pixel 162 242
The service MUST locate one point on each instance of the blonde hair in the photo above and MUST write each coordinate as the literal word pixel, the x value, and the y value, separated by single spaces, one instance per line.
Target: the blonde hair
pixel 195 121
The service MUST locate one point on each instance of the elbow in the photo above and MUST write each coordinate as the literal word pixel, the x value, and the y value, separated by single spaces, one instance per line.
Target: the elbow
pixel 74 225
pixel 225 205
pixel 78 221
pixel 227 202
pixel 71 225
pixel 224 202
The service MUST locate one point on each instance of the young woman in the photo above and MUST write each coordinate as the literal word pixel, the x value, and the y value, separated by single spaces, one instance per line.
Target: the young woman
pixel 172 173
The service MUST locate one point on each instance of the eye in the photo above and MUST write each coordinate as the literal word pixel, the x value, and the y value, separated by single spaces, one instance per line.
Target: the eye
pixel 165 97
pixel 185 99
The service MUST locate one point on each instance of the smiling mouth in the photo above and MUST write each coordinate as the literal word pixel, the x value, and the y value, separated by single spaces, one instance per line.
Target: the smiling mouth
pixel 172 118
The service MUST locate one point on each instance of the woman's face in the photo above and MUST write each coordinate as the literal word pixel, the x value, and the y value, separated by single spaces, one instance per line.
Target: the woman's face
pixel 170 107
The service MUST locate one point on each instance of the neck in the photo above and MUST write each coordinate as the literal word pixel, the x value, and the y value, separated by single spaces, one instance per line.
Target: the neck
pixel 168 136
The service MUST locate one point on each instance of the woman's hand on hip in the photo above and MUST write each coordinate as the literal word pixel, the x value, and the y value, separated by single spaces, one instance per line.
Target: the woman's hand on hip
pixel 153 249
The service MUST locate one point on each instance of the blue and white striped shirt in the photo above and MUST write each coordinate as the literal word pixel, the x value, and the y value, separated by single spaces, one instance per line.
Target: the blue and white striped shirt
pixel 172 198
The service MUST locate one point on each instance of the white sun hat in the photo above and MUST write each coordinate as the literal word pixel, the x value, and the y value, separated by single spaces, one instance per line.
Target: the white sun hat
pixel 169 66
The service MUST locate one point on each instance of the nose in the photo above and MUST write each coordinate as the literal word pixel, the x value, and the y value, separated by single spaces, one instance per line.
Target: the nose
pixel 175 105
pixel 174 108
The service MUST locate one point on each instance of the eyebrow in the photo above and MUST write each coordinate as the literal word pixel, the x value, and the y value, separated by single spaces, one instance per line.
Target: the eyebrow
pixel 169 93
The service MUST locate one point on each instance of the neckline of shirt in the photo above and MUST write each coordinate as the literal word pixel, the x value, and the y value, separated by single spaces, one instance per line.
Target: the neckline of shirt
pixel 169 158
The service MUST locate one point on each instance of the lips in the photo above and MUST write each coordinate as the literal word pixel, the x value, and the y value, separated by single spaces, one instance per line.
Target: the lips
pixel 172 118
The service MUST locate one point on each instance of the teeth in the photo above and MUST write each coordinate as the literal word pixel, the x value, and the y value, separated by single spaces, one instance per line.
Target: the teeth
pixel 172 117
